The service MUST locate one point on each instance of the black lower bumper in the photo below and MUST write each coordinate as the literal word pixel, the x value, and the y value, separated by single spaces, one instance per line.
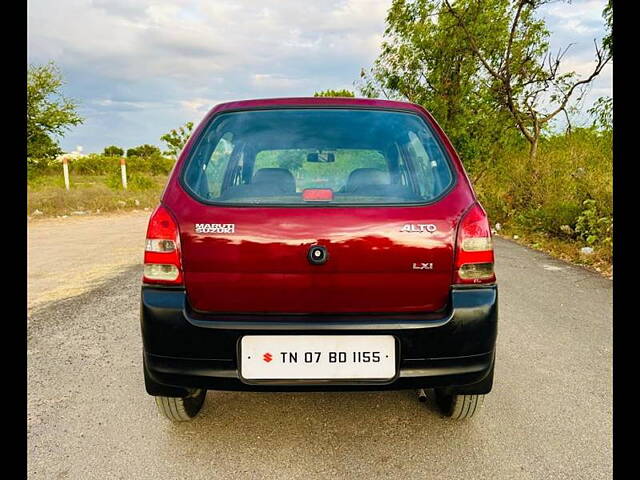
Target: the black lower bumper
pixel 452 350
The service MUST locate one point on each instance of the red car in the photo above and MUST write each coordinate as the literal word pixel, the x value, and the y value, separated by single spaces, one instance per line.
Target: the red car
pixel 306 244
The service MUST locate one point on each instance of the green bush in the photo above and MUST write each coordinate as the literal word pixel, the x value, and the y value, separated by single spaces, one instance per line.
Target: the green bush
pixel 94 164
pixel 97 164
pixel 566 191
pixel 114 182
pixel 42 166
pixel 139 182
pixel 593 227
pixel 154 165
pixel 136 181
pixel 549 218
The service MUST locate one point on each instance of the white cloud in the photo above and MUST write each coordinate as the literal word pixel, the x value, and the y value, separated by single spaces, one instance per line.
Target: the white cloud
pixel 578 18
pixel 269 80
pixel 583 10
pixel 196 107
pixel 579 27
pixel 140 67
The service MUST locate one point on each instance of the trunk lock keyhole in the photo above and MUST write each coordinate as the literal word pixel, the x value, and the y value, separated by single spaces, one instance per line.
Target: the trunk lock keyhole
pixel 317 255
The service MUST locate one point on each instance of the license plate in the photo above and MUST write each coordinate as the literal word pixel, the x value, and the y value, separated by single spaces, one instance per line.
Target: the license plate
pixel 318 357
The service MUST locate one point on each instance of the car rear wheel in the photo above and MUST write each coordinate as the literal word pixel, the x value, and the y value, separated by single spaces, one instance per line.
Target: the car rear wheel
pixel 181 409
pixel 459 407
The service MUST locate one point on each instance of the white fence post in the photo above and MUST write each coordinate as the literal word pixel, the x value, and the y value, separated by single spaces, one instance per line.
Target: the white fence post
pixel 123 172
pixel 65 169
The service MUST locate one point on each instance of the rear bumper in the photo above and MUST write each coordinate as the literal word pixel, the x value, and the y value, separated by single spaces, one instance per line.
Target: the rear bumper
pixel 452 349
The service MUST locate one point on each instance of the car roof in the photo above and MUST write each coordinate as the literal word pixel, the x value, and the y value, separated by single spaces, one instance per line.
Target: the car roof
pixel 315 101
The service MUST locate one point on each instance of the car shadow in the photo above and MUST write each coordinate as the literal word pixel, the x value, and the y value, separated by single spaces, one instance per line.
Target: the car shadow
pixel 317 428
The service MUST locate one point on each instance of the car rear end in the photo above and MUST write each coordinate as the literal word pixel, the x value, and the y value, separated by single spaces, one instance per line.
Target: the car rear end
pixel 318 244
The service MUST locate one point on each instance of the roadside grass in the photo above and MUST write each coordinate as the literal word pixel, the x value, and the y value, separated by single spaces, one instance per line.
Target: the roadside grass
pixel 47 196
pixel 560 203
pixel 95 185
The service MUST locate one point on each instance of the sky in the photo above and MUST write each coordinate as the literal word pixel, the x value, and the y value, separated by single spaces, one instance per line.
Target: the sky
pixel 139 68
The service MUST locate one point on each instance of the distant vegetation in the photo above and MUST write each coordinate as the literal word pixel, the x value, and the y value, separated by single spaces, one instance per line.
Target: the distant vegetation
pixel 95 179
pixel 143 151
pixel 334 93
pixel 113 151
pixel 96 184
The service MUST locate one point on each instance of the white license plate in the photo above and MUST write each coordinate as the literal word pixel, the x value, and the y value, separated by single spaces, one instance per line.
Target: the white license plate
pixel 317 357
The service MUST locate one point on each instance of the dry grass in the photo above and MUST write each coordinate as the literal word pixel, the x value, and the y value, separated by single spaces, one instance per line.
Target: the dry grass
pixel 88 194
pixel 543 201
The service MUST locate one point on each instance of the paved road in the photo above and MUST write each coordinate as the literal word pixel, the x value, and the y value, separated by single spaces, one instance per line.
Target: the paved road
pixel 549 415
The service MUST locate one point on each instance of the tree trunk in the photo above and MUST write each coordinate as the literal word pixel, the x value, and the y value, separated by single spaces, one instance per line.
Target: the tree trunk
pixel 533 149
pixel 535 138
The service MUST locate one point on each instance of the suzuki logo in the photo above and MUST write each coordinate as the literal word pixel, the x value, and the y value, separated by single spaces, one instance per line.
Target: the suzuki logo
pixel 215 227
pixel 267 357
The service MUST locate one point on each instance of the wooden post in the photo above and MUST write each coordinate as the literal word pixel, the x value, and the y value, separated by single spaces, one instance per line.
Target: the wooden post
pixel 65 169
pixel 123 172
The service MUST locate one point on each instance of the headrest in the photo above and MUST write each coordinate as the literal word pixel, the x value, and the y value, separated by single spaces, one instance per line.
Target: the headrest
pixel 278 178
pixel 367 176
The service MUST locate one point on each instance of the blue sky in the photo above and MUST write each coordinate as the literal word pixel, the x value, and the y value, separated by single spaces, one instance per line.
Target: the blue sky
pixel 140 68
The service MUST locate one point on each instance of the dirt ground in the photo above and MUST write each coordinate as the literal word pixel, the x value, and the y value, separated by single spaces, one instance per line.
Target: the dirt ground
pixel 69 256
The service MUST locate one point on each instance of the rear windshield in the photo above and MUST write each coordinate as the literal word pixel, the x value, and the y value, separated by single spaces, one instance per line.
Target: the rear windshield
pixel 317 156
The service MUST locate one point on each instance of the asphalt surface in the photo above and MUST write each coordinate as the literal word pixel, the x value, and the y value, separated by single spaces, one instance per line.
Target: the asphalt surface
pixel 549 414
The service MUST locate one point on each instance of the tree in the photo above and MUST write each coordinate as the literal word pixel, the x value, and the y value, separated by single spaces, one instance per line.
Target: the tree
pixel 176 139
pixel 424 61
pixel 49 113
pixel 113 151
pixel 602 114
pixel 607 41
pixel 143 151
pixel 602 109
pixel 334 93
pixel 523 75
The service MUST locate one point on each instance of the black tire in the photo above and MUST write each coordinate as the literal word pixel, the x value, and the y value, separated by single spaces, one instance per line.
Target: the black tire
pixel 182 409
pixel 459 407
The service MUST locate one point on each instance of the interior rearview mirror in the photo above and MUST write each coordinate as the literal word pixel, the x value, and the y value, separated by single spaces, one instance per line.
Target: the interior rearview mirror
pixel 316 157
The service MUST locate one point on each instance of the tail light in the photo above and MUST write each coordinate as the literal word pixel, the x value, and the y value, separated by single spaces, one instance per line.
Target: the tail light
pixel 162 262
pixel 474 248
